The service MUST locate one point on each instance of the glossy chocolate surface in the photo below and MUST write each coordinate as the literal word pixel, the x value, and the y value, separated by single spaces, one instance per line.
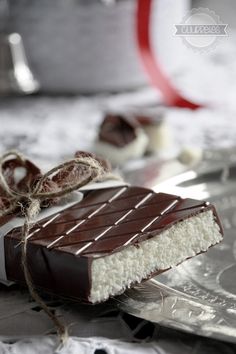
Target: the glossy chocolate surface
pixel 117 130
pixel 61 248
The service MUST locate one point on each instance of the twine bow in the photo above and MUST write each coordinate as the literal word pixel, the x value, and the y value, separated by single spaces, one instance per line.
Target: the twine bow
pixel 36 190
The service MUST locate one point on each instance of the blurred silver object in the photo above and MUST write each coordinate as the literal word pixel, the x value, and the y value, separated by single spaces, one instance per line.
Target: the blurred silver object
pixel 15 74
pixel 152 170
pixel 108 2
pixel 86 47
pixel 198 296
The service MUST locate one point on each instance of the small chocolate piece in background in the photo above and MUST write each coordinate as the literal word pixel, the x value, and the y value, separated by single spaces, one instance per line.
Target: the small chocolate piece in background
pixel 120 138
pixel 132 134
pixel 117 130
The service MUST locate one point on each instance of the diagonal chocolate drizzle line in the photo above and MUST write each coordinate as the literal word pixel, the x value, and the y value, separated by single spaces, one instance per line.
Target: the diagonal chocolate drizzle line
pixel 30 203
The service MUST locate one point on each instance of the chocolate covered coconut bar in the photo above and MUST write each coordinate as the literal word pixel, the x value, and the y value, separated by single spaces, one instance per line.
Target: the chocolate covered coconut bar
pixel 112 239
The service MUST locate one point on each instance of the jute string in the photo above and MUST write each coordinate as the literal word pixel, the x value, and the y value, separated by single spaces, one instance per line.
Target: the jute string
pixel 30 204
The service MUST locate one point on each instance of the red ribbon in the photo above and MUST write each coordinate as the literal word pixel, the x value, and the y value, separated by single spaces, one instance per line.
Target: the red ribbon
pixel 156 75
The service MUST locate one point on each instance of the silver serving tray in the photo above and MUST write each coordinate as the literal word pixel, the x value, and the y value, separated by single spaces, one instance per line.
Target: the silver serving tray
pixel 198 296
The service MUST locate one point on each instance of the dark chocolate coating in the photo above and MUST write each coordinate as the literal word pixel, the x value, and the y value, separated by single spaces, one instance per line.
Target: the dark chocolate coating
pixel 117 130
pixel 61 248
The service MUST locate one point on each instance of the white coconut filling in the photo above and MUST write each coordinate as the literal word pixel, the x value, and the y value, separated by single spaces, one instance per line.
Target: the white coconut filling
pixel 118 155
pixel 112 274
pixel 159 137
